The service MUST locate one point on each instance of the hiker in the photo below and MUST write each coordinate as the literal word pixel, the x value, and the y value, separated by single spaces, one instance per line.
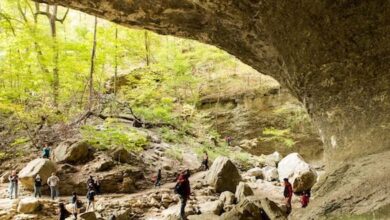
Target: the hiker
pixel 53 181
pixel 46 151
pixel 91 199
pixel 157 183
pixel 183 189
pixel 305 197
pixel 37 186
pixel 205 162
pixel 97 185
pixel 288 192
pixel 229 140
pixel 62 212
pixel 13 184
pixel 90 183
pixel 75 203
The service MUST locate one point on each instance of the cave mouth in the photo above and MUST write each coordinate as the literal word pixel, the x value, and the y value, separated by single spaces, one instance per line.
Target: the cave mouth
pixel 321 51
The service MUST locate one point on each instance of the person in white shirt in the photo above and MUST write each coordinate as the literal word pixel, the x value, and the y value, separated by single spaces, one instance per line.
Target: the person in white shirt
pixel 53 184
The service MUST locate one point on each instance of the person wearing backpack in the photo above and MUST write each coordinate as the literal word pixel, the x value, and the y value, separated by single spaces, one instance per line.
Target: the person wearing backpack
pixel 184 190
pixel 37 186
pixel 91 199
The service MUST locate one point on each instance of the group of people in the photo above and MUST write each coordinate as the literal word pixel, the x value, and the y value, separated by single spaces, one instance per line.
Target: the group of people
pixel 288 193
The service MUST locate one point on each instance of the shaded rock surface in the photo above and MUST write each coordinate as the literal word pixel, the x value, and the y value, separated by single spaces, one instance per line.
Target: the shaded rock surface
pixel 43 167
pixel 71 152
pixel 223 175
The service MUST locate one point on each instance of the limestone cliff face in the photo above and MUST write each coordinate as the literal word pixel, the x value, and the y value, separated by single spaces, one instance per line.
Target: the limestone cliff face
pixel 332 55
pixel 245 105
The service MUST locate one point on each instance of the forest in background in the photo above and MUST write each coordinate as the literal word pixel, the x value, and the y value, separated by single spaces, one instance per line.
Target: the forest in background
pixel 59 67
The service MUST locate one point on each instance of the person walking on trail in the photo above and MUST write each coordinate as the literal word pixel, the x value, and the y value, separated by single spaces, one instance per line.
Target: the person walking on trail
pixel 46 151
pixel 91 183
pixel 157 182
pixel 13 185
pixel 97 185
pixel 53 182
pixel 91 200
pixel 184 190
pixel 305 197
pixel 205 161
pixel 75 204
pixel 62 212
pixel 287 193
pixel 37 186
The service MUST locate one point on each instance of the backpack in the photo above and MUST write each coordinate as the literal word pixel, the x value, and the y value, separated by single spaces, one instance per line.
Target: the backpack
pixel 179 189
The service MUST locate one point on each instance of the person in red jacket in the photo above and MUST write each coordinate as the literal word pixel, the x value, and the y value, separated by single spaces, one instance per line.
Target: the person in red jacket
pixel 305 198
pixel 288 192
pixel 184 190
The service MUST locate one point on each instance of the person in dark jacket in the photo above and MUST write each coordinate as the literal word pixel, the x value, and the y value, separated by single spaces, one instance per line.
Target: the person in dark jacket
pixel 62 212
pixel 37 186
pixel 288 192
pixel 46 151
pixel 157 183
pixel 74 201
pixel 91 199
pixel 184 190
pixel 205 162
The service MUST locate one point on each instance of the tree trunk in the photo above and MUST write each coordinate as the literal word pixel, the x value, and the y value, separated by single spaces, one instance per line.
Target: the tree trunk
pixel 56 79
pixel 147 48
pixel 116 61
pixel 93 54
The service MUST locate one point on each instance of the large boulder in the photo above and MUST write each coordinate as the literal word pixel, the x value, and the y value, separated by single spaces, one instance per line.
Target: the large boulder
pixel 71 152
pixel 300 174
pixel 43 167
pixel 243 190
pixel 211 207
pixel 270 173
pixel 223 175
pixel 247 209
pixel 272 210
pixel 28 205
pixel 228 198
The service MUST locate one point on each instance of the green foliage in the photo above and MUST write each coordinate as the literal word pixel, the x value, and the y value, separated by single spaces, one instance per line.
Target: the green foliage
pixel 280 136
pixel 112 136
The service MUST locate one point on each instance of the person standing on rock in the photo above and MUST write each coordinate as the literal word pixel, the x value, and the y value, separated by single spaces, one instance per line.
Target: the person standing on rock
pixel 75 202
pixel 205 161
pixel 91 183
pixel 157 183
pixel 97 185
pixel 46 151
pixel 184 190
pixel 91 199
pixel 287 193
pixel 53 181
pixel 305 197
pixel 13 184
pixel 37 186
